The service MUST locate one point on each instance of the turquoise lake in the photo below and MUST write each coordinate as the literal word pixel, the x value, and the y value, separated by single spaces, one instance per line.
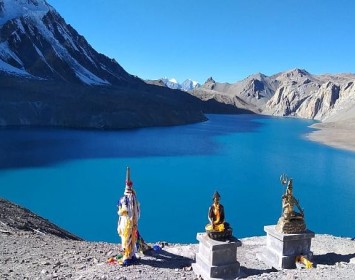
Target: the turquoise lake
pixel 74 178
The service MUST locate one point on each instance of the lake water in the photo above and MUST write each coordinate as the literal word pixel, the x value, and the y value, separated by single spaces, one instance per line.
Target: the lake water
pixel 74 178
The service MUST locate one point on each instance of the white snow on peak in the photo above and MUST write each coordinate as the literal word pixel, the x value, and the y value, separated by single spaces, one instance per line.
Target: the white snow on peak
pixel 18 8
pixel 173 80
pixel 187 85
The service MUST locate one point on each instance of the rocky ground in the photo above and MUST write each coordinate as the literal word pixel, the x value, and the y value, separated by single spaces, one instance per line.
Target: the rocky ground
pixel 32 253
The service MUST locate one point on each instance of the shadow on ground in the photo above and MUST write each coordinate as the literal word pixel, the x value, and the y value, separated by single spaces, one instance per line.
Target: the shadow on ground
pixel 164 259
pixel 332 258
pixel 246 272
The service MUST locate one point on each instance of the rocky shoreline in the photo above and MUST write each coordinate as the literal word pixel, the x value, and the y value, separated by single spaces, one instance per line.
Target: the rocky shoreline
pixel 35 253
pixel 338 134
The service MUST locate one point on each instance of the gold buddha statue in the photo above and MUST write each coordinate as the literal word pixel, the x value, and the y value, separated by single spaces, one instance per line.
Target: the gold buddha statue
pixel 290 220
pixel 217 228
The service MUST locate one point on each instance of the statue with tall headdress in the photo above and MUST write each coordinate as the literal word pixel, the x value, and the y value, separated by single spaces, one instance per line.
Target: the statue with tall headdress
pixel 290 221
pixel 129 212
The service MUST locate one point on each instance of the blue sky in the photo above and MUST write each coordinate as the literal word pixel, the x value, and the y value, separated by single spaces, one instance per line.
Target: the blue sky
pixel 225 39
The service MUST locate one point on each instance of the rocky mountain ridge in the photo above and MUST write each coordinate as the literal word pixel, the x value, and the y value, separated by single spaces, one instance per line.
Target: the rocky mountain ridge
pixel 36 42
pixel 172 83
pixel 16 217
pixel 51 76
pixel 295 93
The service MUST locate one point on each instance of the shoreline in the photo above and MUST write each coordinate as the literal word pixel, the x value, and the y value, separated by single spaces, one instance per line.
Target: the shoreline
pixel 338 134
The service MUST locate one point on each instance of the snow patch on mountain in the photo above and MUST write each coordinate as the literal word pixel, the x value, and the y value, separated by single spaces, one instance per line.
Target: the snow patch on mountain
pixel 87 77
pixel 6 54
pixel 11 9
pixel 5 67
pixel 188 85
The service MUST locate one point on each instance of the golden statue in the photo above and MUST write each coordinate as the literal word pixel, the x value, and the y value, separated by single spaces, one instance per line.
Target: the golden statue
pixel 217 228
pixel 290 220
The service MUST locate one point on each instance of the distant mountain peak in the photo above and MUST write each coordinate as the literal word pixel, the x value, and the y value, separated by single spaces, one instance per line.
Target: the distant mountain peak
pixel 210 80
pixel 187 85
pixel 297 72
pixel 173 80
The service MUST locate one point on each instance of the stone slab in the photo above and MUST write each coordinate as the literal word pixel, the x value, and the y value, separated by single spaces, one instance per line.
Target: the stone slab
pixel 216 244
pixel 217 259
pixel 218 252
pixel 217 272
pixel 271 229
pixel 281 249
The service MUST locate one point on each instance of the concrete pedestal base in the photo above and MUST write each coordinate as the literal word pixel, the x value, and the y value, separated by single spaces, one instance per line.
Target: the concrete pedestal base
pixel 281 249
pixel 217 259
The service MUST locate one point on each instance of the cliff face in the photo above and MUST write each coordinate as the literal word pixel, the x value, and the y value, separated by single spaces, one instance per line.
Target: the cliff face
pixel 291 93
pixel 252 93
pixel 312 97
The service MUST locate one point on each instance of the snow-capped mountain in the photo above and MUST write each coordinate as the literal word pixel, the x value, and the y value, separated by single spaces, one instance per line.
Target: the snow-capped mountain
pixel 47 73
pixel 187 85
pixel 35 41
pixel 171 83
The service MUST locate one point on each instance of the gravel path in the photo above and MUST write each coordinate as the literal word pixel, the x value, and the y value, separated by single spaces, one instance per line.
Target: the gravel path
pixel 33 254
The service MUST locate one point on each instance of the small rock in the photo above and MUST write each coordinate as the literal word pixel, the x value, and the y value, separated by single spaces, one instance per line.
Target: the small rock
pixel 43 271
pixel 109 253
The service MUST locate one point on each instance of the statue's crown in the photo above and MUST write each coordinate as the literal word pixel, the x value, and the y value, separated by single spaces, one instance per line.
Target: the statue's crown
pixel 216 195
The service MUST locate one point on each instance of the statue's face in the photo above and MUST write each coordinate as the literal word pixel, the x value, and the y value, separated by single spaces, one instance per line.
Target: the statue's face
pixel 216 200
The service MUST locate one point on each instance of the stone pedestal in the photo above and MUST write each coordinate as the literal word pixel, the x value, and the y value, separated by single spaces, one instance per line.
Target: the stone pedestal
pixel 217 259
pixel 281 249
